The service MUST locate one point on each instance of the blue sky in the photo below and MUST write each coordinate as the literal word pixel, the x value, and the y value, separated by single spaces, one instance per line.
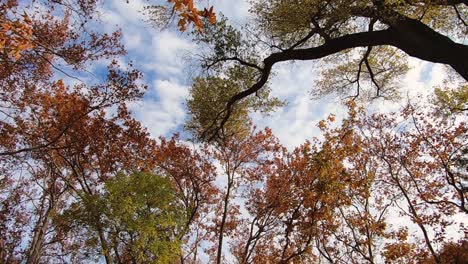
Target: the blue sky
pixel 161 56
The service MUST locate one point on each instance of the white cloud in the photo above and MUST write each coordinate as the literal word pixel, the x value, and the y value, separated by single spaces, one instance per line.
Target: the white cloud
pixel 151 50
pixel 416 85
pixel 166 53
pixel 132 40
pixel 159 55
pixel 162 111
pixel 298 121
pixel 122 13
pixel 236 11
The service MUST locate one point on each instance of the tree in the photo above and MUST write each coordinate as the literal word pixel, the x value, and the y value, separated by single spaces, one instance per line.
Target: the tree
pixel 208 97
pixel 62 138
pixel 299 200
pixel 237 148
pixel 361 222
pixel 54 46
pixel 417 154
pixel 192 174
pixel 237 155
pixel 140 214
pixel 378 33
pixel 452 100
pixel 92 150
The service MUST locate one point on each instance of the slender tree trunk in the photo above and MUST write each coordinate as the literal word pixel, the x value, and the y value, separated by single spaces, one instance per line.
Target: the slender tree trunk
pixel 368 233
pixel 247 252
pixel 223 220
pixel 116 249
pixel 37 244
pixel 104 246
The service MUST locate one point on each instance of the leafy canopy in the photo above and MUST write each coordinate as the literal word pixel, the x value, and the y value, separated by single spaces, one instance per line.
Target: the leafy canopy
pixel 141 215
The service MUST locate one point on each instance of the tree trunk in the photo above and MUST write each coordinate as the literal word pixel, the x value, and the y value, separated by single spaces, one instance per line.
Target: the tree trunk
pixel 104 246
pixel 37 244
pixel 223 222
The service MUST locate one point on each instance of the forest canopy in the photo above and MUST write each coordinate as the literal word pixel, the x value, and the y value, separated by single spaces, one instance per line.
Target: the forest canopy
pixel 82 180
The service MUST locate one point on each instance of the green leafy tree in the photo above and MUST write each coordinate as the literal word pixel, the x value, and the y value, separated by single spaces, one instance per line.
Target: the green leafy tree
pixel 141 217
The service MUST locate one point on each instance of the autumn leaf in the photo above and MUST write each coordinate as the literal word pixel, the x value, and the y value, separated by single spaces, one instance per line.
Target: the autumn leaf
pixel 189 14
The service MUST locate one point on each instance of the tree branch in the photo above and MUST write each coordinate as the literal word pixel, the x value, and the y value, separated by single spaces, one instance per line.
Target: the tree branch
pixel 409 35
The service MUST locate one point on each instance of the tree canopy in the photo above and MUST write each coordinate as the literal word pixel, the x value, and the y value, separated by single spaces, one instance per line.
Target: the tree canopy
pixel 140 214
pixel 367 41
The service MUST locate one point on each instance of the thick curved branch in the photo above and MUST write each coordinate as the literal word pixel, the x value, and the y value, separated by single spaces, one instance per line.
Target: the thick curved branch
pixel 331 47
pixel 336 45
pixel 409 35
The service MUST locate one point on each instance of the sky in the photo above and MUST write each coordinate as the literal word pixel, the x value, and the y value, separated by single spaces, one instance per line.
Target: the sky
pixel 161 56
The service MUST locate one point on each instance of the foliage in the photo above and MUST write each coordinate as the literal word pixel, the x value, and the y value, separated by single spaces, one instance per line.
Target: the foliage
pixel 189 14
pixel 332 199
pixel 184 10
pixel 454 252
pixel 140 214
pixel 192 174
pixel 387 61
pixel 238 155
pixel 57 134
pixel 209 95
pixel 452 100
pixel 15 33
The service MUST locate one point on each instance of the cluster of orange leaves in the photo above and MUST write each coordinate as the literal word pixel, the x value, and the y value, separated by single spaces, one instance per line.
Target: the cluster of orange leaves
pixel 15 34
pixel 190 14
